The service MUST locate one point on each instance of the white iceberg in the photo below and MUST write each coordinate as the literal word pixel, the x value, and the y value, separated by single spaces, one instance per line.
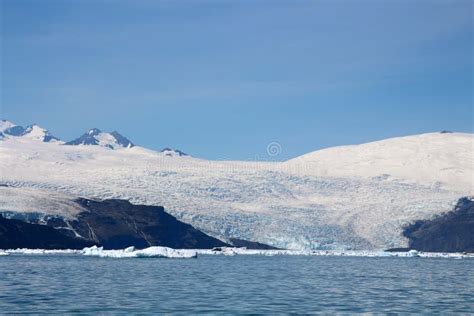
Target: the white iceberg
pixel 165 252
pixel 229 251
pixel 26 251
pixel 131 252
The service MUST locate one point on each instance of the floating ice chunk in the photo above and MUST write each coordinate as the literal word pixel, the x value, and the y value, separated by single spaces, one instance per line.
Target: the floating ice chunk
pixel 130 252
pixel 228 251
pixel 92 251
pixel 129 249
pixel 164 252
pixel 26 251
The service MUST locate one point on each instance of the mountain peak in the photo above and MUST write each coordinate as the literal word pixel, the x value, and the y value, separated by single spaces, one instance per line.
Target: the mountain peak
pixel 4 125
pixel 96 137
pixel 33 131
pixel 94 131
pixel 36 132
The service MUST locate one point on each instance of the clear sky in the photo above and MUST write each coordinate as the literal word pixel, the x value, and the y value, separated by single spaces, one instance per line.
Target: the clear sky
pixel 222 79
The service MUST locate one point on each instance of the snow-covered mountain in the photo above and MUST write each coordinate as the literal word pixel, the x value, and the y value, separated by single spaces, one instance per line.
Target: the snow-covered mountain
pixel 33 132
pixel 173 152
pixel 444 158
pixel 345 197
pixel 38 133
pixel 95 136
pixel 4 125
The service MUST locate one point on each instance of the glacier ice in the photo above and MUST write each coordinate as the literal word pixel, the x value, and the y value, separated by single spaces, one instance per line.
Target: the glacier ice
pixel 350 197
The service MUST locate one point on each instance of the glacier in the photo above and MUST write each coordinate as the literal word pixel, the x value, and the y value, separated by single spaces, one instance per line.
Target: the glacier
pixel 349 197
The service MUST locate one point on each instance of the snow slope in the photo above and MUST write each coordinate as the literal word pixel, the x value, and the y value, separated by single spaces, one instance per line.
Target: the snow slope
pixel 31 200
pixel 446 158
pixel 356 197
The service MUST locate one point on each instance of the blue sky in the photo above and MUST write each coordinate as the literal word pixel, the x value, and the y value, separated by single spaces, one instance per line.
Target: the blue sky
pixel 222 79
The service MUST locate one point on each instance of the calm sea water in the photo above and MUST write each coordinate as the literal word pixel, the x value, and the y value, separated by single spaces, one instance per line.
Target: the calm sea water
pixel 240 284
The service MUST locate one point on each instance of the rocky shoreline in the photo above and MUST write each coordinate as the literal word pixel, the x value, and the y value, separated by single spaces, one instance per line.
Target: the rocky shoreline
pixel 450 232
pixel 111 224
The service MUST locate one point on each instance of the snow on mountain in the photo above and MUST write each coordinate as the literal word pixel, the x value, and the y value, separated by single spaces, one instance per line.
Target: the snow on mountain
pixel 4 125
pixel 15 131
pixel 36 132
pixel 357 197
pixel 444 158
pixel 11 129
pixel 33 132
pixel 96 137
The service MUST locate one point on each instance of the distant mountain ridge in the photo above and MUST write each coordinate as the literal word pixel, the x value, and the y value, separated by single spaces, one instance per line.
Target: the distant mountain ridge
pixel 96 137
pixel 33 131
pixel 93 137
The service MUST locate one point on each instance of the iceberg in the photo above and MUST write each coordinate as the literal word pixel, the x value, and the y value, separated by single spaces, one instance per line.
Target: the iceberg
pixel 131 252
pixel 229 251
pixel 26 251
pixel 165 252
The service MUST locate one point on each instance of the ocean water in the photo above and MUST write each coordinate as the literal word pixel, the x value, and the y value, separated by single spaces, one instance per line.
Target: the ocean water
pixel 239 284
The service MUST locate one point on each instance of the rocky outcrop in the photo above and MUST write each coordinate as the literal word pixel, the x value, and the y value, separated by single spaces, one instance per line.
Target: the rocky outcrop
pixel 116 224
pixel 112 224
pixel 251 244
pixel 451 232
pixel 18 234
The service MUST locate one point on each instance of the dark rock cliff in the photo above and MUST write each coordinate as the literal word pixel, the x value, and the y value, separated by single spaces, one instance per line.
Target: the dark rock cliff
pixel 251 244
pixel 18 234
pixel 113 224
pixel 451 232
pixel 117 224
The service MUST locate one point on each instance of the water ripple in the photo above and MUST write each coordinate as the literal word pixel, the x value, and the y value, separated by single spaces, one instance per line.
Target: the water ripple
pixel 241 284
